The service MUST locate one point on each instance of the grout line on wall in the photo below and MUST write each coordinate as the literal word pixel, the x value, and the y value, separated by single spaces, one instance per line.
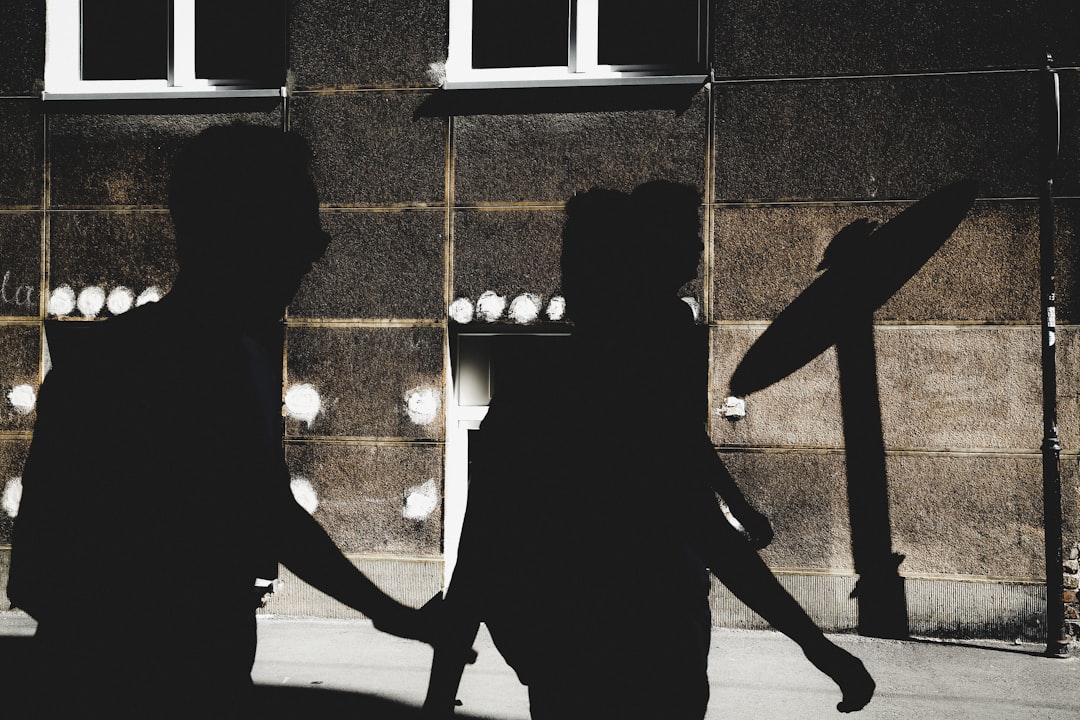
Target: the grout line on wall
pixel 359 89
pixel 448 220
pixel 388 207
pixel 382 557
pixel 515 205
pixel 748 80
pixel 45 224
pixel 1002 453
pixel 947 577
pixel 365 322
pixel 708 240
pixel 374 209
pixel 361 440
pixel 45 240
pixel 900 324
pixel 115 209
pixel 839 202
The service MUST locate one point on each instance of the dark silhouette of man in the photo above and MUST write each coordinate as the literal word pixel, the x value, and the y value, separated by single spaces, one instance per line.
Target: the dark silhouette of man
pixel 156 490
pixel 592 520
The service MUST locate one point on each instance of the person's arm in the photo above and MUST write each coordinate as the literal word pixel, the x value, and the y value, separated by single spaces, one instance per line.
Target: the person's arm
pixel 306 549
pixel 676 373
pixel 758 529
pixel 745 574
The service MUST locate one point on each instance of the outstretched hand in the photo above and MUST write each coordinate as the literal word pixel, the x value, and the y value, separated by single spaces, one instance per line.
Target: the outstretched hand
pixel 424 624
pixel 846 670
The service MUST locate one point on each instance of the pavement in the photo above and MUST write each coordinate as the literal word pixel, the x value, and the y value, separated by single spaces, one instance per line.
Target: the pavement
pixel 313 668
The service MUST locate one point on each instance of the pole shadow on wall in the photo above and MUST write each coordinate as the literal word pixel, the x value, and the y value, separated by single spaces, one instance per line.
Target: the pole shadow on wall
pixel 864 266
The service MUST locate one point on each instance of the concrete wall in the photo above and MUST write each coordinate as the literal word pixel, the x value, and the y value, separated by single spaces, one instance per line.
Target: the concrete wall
pixel 818 114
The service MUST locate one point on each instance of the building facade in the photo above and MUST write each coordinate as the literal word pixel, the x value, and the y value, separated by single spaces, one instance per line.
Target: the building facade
pixel 446 203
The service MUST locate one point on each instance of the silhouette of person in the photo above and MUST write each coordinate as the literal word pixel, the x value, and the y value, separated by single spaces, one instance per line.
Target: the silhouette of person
pixel 592 521
pixel 156 489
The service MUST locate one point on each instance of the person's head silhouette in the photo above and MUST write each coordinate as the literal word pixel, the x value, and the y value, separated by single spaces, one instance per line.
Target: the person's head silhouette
pixel 246 216
pixel 595 235
pixel 622 250
pixel 667 236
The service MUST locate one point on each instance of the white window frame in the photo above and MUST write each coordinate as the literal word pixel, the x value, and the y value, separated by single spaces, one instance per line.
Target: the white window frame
pixel 582 67
pixel 63 62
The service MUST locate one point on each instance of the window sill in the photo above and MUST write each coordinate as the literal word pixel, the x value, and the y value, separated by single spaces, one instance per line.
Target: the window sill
pixel 168 93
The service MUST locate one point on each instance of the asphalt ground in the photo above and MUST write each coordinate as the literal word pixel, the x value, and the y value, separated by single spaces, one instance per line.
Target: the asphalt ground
pixel 314 668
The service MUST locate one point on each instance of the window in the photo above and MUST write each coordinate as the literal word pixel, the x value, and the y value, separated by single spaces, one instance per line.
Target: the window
pixel 495 43
pixel 164 48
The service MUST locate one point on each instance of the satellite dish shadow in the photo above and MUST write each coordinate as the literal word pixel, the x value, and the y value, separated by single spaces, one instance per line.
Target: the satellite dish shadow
pixel 864 266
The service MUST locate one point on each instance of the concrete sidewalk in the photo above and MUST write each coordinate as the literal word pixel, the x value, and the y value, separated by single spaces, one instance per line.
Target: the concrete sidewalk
pixel 327 668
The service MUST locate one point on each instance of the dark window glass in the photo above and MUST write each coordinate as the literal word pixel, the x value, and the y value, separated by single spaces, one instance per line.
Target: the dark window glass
pixel 649 32
pixel 125 39
pixel 521 33
pixel 240 40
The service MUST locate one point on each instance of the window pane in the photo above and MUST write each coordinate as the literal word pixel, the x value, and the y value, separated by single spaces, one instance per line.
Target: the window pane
pixel 125 39
pixel 648 32
pixel 240 40
pixel 522 33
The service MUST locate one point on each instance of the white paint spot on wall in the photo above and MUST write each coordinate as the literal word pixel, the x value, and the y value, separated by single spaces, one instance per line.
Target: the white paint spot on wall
pixel 437 73
pixel 120 300
pixel 461 311
pixel 12 496
pixel 91 300
pixel 422 405
pixel 149 295
pixel 22 398
pixel 490 306
pixel 556 309
pixel 305 494
pixel 525 308
pixel 421 501
pixel 695 306
pixel 303 403
pixel 61 301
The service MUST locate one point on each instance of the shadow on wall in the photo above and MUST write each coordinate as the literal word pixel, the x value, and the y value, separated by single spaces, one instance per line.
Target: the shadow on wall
pixel 864 266
pixel 534 101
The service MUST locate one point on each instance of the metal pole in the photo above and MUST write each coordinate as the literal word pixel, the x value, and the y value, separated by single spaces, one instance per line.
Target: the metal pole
pixel 1057 644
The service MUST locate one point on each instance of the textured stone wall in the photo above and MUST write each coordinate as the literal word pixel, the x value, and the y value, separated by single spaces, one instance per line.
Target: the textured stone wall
pixel 817 115
pixel 22 233
pixel 838 111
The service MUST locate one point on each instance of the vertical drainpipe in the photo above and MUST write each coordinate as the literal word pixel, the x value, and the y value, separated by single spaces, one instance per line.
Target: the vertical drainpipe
pixel 1057 645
